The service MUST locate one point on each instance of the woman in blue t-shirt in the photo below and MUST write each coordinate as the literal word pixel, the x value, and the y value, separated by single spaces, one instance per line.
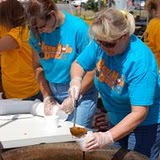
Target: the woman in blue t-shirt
pixel 57 38
pixel 128 81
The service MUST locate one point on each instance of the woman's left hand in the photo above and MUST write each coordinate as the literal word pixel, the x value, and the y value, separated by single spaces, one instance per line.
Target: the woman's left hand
pixel 98 140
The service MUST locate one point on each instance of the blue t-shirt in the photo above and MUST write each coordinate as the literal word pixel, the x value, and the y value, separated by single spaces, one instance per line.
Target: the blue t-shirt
pixel 61 47
pixel 125 80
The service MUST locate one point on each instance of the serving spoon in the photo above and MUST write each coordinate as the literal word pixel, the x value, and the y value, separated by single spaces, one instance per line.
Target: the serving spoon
pixel 77 131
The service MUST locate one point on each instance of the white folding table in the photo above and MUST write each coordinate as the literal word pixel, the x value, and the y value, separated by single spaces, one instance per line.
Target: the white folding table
pixel 31 130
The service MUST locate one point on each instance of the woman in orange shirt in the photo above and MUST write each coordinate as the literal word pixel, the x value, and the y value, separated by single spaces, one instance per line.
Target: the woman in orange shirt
pixel 18 79
pixel 152 33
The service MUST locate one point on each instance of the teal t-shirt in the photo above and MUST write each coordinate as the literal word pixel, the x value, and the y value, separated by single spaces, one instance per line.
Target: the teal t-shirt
pixel 61 47
pixel 125 80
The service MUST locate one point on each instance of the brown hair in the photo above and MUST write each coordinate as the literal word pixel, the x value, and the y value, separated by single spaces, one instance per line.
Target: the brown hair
pixel 40 9
pixel 12 14
pixel 151 7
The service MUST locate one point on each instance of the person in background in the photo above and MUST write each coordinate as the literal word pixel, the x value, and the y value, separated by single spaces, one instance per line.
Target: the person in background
pixel 18 79
pixel 152 33
pixel 101 121
pixel 57 38
pixel 128 82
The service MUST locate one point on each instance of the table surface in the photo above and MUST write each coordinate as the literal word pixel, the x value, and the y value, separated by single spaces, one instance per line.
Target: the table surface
pixel 31 130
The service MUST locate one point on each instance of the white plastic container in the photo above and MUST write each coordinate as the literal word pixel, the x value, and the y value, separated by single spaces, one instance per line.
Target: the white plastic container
pixel 38 109
pixel 15 106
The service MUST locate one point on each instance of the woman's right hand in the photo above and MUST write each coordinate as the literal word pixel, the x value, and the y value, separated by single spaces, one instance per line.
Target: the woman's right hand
pixel 75 86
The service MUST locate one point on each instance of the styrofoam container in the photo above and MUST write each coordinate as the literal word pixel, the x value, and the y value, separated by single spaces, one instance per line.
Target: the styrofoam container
pixel 81 141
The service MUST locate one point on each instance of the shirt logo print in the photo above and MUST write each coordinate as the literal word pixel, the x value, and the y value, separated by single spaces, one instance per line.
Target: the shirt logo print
pixel 106 75
pixel 55 52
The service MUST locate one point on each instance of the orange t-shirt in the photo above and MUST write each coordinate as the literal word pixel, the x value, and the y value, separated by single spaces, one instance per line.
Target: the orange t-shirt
pixel 18 78
pixel 152 37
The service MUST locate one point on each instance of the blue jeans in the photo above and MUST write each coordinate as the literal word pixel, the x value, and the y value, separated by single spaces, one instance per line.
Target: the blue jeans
pixel 86 106
pixel 144 139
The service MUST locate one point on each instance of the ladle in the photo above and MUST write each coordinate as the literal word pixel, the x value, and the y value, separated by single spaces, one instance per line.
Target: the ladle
pixel 75 113
pixel 77 131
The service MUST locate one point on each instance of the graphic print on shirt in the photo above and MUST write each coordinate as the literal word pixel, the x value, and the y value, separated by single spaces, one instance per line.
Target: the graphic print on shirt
pixel 108 76
pixel 55 51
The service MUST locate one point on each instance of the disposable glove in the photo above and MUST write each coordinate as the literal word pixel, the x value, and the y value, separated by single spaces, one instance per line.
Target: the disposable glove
pixel 49 104
pixel 75 86
pixel 68 105
pixel 98 140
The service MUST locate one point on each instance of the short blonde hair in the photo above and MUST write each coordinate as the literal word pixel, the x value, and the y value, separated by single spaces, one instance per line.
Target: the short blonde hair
pixel 110 24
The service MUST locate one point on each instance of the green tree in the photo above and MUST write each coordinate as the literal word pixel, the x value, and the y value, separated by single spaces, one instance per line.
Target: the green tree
pixel 92 5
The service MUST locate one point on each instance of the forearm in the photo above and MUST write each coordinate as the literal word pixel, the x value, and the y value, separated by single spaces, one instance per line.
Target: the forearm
pixel 129 123
pixel 76 70
pixel 44 86
pixel 39 73
pixel 87 82
pixel 77 74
